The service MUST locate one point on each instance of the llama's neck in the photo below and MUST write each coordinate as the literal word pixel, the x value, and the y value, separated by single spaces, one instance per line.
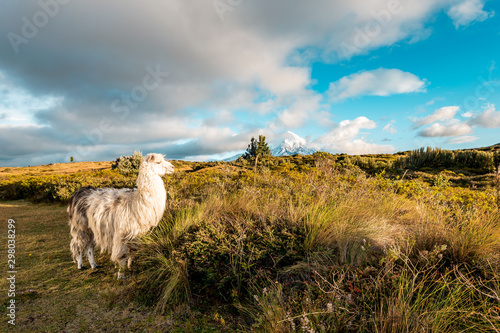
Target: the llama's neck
pixel 152 195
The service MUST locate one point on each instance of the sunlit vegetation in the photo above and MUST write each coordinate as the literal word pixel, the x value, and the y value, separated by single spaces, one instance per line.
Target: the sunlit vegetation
pixel 319 243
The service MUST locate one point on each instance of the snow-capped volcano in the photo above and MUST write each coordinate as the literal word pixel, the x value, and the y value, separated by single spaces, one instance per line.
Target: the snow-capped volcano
pixel 291 145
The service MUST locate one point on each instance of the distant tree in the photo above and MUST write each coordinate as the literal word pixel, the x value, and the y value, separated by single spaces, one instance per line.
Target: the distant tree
pixel 71 159
pixel 257 149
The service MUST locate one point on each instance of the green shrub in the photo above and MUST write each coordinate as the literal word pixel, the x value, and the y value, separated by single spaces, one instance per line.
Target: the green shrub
pixel 429 157
pixel 496 160
pixel 475 159
pixel 437 158
pixel 223 258
pixel 441 180
pixel 128 164
pixel 203 165
pixel 59 188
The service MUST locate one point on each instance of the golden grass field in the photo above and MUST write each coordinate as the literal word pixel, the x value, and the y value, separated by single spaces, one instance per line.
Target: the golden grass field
pixel 307 244
pixel 57 168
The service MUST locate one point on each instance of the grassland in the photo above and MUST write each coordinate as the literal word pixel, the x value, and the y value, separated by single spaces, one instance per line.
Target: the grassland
pixel 320 243
pixel 55 168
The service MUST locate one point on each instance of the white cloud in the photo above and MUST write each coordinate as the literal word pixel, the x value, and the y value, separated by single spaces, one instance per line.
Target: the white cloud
pixel 434 100
pixel 453 128
pixel 390 128
pixel 378 82
pixel 301 109
pixel 444 113
pixel 490 118
pixel 344 139
pixel 443 123
pixel 468 11
pixel 462 139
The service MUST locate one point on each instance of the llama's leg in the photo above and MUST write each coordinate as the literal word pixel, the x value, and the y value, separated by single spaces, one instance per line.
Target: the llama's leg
pixel 90 253
pixel 131 255
pixel 122 271
pixel 80 260
pixel 129 262
pixel 120 255
pixel 124 267
pixel 132 250
pixel 76 250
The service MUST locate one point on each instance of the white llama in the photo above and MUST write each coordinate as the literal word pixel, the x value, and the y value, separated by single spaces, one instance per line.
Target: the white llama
pixel 109 217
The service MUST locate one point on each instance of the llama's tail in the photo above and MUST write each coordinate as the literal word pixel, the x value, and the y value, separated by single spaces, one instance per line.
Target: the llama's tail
pixel 77 202
pixel 81 234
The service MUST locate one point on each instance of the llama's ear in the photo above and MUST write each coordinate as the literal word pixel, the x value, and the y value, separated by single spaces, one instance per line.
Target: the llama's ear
pixel 150 158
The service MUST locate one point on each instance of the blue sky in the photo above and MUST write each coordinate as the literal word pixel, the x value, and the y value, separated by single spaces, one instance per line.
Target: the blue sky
pixel 197 79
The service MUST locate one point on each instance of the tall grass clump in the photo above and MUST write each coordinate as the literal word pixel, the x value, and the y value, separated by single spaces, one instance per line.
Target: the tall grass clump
pixel 220 245
pixel 349 222
pixel 427 157
pixel 473 234
pixel 165 272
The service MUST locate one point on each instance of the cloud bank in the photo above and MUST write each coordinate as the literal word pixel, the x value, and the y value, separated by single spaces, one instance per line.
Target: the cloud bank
pixel 444 124
pixel 344 138
pixel 97 79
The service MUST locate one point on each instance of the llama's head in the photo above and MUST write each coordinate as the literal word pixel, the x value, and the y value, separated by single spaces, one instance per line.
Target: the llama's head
pixel 157 163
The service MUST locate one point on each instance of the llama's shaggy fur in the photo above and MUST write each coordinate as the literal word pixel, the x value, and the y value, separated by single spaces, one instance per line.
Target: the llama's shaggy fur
pixel 109 218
